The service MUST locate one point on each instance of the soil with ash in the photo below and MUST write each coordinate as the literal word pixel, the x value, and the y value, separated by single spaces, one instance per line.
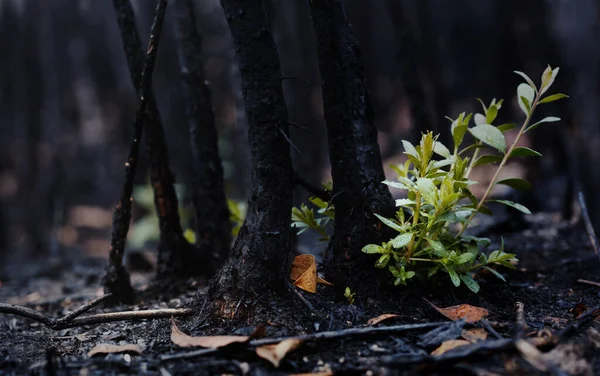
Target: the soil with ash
pixel 553 255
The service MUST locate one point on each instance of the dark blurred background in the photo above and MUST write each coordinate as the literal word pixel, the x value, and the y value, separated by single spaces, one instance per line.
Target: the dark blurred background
pixel 67 104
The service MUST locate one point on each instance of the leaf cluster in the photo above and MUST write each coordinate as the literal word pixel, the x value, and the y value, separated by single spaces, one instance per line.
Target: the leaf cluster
pixel 305 218
pixel 439 204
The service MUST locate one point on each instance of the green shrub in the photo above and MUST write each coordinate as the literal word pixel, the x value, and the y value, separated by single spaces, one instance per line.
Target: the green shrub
pixel 439 205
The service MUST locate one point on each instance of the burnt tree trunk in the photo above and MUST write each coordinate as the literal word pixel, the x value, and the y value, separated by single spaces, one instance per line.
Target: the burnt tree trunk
pixel 175 255
pixel 356 165
pixel 210 203
pixel 260 258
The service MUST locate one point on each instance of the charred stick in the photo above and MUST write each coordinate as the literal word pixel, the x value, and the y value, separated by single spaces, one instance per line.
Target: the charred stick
pixel 117 279
pixel 588 224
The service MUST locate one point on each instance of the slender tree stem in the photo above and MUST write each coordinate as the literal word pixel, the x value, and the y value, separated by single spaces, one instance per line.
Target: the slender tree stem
pixel 502 163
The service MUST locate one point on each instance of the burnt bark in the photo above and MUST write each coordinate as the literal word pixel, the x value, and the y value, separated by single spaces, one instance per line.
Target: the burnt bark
pixel 175 255
pixel 210 203
pixel 116 280
pixel 260 258
pixel 357 170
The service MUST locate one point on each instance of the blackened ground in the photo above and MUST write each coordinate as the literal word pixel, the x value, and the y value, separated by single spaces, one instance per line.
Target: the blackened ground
pixel 554 255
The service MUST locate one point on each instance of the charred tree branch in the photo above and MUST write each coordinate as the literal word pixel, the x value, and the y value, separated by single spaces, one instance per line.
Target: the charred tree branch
pixel 116 280
pixel 175 254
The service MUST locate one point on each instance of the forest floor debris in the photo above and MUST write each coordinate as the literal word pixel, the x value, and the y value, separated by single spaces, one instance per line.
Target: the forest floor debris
pixel 541 321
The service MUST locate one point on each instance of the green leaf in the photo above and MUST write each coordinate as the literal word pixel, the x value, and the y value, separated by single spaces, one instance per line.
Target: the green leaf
pixel 479 119
pixel 524 152
pixel 383 261
pixel 515 205
pixel 489 135
pixel 548 119
pixel 458 132
pixel 438 248
pixel 526 104
pixel 402 240
pixel 389 223
pixel 454 277
pixel 410 149
pixel 506 127
pixel 491 114
pixel 428 190
pixel 548 78
pixel 485 210
pixel 516 183
pixel 494 272
pixel 526 94
pixel 409 274
pixel 404 202
pixel 527 79
pixel 465 257
pixel 442 150
pixel 396 184
pixel 487 159
pixel 553 97
pixel 470 283
pixel 372 248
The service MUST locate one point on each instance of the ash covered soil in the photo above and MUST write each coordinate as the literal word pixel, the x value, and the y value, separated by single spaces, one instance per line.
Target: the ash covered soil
pixel 553 255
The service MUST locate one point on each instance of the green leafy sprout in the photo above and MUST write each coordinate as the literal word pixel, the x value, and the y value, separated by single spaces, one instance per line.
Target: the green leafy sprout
pixel 439 205
pixel 349 295
pixel 304 218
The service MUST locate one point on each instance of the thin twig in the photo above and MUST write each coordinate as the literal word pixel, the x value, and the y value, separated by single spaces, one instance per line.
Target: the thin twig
pixel 293 289
pixel 588 223
pixel 83 309
pixel 521 324
pixel 597 284
pixel 129 315
pixel 289 140
pixel 117 279
pixel 298 125
pixel 488 327
pixel 72 319
pixel 330 335
pixel 584 318
pixel 320 193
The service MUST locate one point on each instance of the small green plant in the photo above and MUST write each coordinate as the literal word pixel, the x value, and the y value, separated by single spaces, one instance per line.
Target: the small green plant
pixel 237 214
pixel 439 205
pixel 349 295
pixel 304 218
pixel 146 229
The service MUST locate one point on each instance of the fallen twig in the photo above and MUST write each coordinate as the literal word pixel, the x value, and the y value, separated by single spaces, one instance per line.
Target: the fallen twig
pixel 584 318
pixel 587 282
pixel 521 324
pixel 330 335
pixel 73 318
pixel 488 327
pixel 588 224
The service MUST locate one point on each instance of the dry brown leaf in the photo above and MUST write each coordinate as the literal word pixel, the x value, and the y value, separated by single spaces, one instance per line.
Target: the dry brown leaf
pixel 181 339
pixel 380 318
pixel 470 313
pixel 107 348
pixel 276 352
pixel 303 264
pixel 474 335
pixel 449 345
